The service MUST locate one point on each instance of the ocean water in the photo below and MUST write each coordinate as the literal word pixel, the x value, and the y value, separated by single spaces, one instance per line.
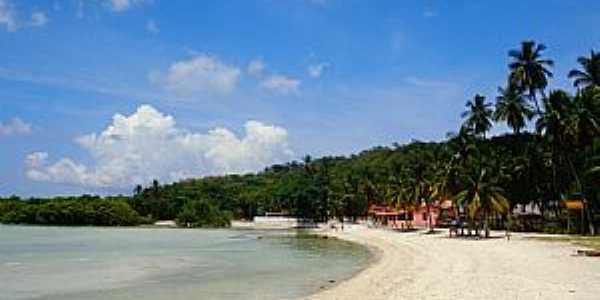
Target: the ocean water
pixel 155 264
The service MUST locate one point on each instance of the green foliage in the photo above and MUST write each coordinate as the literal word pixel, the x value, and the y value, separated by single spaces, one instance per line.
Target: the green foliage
pixel 589 75
pixel 512 108
pixel 478 116
pixel 202 213
pixel 84 210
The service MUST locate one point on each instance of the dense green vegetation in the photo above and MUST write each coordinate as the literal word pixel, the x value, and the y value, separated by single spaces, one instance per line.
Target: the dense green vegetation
pixel 83 210
pixel 202 213
pixel 551 154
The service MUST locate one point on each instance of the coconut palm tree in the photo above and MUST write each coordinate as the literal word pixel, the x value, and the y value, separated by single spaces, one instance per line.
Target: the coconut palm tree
pixel 482 198
pixel 553 125
pixel 512 107
pixel 529 72
pixel 585 116
pixel 589 75
pixel 478 116
pixel 462 146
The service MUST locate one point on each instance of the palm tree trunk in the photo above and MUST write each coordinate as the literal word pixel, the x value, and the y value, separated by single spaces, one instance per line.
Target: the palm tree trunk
pixel 589 218
pixel 429 220
pixel 487 225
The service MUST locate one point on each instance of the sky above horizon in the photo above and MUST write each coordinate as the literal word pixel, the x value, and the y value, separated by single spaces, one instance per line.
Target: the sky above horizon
pixel 100 95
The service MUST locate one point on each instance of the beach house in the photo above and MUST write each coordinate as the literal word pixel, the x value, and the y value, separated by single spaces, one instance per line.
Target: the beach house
pixel 418 216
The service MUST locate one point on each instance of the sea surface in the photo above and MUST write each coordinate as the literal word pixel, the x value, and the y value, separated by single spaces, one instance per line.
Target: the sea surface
pixel 158 264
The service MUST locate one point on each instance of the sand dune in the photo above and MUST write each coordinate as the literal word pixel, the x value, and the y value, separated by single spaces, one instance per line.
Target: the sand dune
pixel 418 266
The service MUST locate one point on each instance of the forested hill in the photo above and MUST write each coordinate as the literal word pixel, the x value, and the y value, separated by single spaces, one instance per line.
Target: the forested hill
pixel 335 186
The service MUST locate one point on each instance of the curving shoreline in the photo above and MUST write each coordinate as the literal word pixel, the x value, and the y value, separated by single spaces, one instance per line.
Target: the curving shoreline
pixel 373 282
pixel 412 265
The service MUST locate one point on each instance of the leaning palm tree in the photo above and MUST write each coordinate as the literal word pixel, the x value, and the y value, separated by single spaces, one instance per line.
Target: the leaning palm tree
pixel 482 199
pixel 512 108
pixel 478 116
pixel 529 72
pixel 590 73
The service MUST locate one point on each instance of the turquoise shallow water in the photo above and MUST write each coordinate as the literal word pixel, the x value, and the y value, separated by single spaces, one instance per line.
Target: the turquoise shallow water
pixel 148 263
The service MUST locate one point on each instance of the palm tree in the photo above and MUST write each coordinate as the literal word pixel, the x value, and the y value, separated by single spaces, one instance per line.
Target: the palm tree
pixel 138 190
pixel 585 117
pixel 399 194
pixel 553 125
pixel 482 199
pixel 463 147
pixel 590 73
pixel 478 116
pixel 512 108
pixel 529 71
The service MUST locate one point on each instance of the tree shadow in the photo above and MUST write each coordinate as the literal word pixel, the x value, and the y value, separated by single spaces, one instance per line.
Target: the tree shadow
pixel 474 237
pixel 405 229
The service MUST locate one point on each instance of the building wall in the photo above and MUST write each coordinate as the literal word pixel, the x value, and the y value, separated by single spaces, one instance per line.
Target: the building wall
pixel 421 219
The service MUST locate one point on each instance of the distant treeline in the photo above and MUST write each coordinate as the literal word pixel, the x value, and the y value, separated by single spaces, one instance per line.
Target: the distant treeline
pixel 82 210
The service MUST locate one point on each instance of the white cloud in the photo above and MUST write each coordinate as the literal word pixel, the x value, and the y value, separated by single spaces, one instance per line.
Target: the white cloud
pixel 7 16
pixel 36 159
pixel 152 27
pixel 123 5
pixel 200 75
pixel 281 84
pixel 119 5
pixel 147 145
pixel 15 126
pixel 316 70
pixel 256 68
pixel 38 19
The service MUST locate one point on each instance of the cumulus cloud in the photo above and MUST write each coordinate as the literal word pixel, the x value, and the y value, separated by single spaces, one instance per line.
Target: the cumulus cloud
pixel 281 84
pixel 15 126
pixel 7 16
pixel 10 21
pixel 202 74
pixel 256 68
pixel 316 70
pixel 148 145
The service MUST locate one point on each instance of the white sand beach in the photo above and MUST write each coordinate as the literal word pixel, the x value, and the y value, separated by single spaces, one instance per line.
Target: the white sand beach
pixel 412 265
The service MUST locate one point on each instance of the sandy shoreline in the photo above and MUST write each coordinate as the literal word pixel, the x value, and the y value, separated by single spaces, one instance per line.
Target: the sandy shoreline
pixel 411 265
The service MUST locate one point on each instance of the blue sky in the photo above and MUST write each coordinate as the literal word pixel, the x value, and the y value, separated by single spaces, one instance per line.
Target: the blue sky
pixel 212 87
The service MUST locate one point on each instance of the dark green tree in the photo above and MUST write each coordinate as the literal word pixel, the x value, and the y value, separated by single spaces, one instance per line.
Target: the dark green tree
pixel 478 116
pixel 589 75
pixel 512 108
pixel 529 71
